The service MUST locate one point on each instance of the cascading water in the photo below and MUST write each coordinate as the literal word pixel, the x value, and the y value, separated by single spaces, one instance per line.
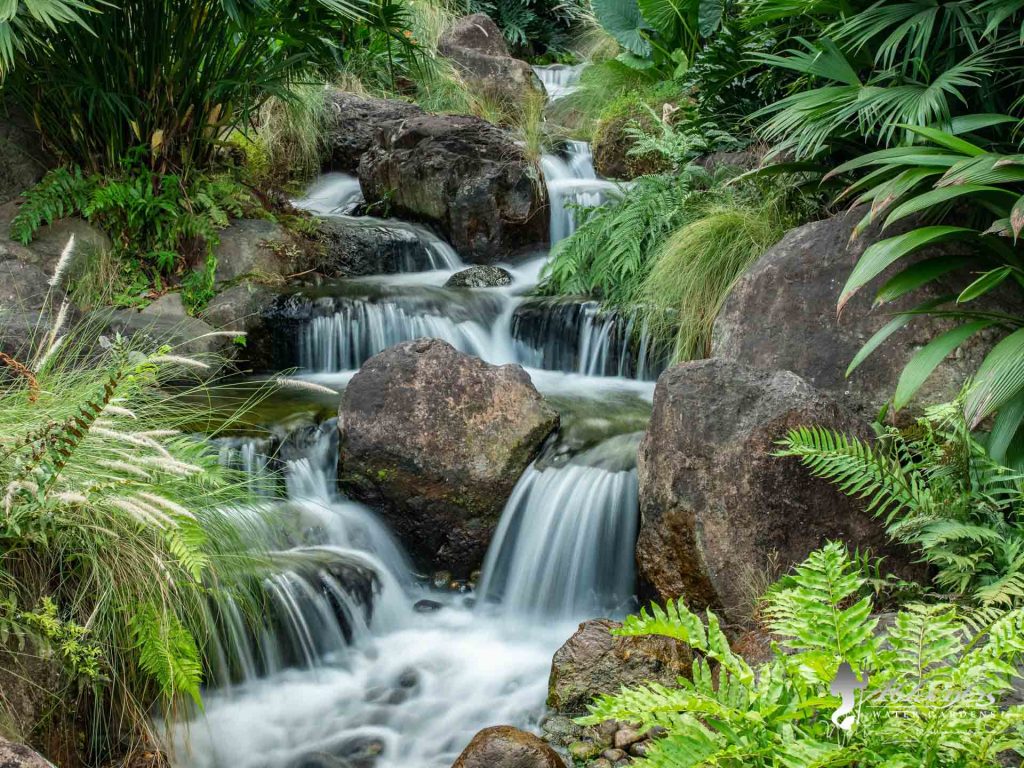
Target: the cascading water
pixel 353 667
pixel 559 79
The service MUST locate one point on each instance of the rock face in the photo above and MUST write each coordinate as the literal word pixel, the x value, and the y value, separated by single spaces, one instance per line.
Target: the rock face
pixel 463 175
pixel 22 158
pixel 782 315
pixel 27 310
pixel 436 440
pixel 717 509
pixel 354 247
pixel 188 335
pixel 594 662
pixel 480 276
pixel 49 241
pixel 253 247
pixel 503 746
pixel 13 755
pixel 476 46
pixel 353 125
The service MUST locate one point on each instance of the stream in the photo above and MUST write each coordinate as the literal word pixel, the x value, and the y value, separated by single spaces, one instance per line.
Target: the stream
pixel 365 664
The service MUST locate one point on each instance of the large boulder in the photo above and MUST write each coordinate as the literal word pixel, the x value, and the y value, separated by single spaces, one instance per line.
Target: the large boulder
pixel 50 240
pixel 477 48
pixel 593 662
pixel 23 161
pixel 353 125
pixel 782 315
pixel 719 512
pixel 466 177
pixel 29 307
pixel 14 755
pixel 357 246
pixel 436 440
pixel 256 247
pixel 186 335
pixel 502 746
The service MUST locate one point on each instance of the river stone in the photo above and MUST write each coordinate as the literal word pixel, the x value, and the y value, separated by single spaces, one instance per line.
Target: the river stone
pixel 593 662
pixel 355 247
pixel 502 746
pixel 463 175
pixel 718 510
pixel 781 314
pixel 435 440
pixel 354 122
pixel 50 240
pixel 14 755
pixel 477 48
pixel 480 276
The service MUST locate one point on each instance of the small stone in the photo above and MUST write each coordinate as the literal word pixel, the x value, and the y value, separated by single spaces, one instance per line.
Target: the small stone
pixel 623 762
pixel 640 749
pixel 480 276
pixel 170 304
pixel 603 733
pixel 442 579
pixel 600 763
pixel 427 606
pixel 624 737
pixel 657 732
pixel 613 754
pixel 584 750
pixel 410 678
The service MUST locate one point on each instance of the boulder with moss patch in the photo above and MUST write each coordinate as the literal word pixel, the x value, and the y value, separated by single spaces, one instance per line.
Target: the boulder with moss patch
pixel 435 440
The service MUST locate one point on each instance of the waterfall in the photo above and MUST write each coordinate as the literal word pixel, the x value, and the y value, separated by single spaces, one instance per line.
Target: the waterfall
pixel 564 547
pixel 332 193
pixel 571 181
pixel 559 79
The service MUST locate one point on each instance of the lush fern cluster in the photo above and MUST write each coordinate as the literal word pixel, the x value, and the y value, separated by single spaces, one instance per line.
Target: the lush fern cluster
pixel 931 690
pixel 938 490
pixel 114 524
pixel 533 27
pixel 162 227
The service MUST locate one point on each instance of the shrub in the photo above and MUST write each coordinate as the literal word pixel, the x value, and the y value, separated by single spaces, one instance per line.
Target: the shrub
pixel 930 690
pixel 939 491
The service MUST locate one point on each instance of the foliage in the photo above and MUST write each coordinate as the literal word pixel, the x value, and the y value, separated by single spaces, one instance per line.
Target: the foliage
pixel 929 179
pixel 679 143
pixel 932 683
pixel 24 21
pixel 161 226
pixel 288 145
pixel 938 490
pixel 175 76
pixel 115 523
pixel 695 268
pixel 532 27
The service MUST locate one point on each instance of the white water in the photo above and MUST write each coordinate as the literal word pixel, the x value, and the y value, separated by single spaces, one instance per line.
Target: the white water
pixel 346 672
pixel 559 79
pixel 332 193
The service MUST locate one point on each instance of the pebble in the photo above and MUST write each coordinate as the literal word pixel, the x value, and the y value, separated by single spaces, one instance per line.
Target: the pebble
pixel 584 750
pixel 601 763
pixel 613 754
pixel 442 579
pixel 626 736
pixel 640 749
pixel 427 606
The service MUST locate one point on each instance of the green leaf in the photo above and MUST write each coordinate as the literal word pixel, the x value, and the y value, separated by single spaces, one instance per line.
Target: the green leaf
pixel 999 380
pixel 941 195
pixel 879 256
pixel 1017 216
pixel 1005 428
pixel 927 359
pixel 947 140
pixel 919 274
pixel 887 330
pixel 971 123
pixel 987 282
pixel 709 17
pixel 622 20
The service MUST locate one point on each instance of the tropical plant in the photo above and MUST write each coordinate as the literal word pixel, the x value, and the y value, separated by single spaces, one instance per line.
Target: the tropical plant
pixel 984 182
pixel 940 491
pixel 116 523
pixel 162 227
pixel 927 691
pixel 176 76
pixel 23 21
pixel 533 28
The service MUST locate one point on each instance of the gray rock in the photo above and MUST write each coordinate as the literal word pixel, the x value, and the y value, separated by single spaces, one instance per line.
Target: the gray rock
pixel 718 509
pixel 188 336
pixel 503 746
pixel 480 276
pixel 14 755
pixel 463 175
pixel 593 662
pixel 781 315
pixel 477 48
pixel 436 440
pixel 49 242
pixel 168 305
pixel 354 124
pixel 23 161
pixel 238 308
pixel 247 247
pixel 28 309
pixel 356 246
pixel 22 285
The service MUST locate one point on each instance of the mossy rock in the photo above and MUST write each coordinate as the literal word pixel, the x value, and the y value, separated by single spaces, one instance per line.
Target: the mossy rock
pixel 612 143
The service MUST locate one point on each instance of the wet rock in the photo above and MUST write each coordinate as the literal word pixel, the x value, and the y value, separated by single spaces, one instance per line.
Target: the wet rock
pixel 256 247
pixel 23 161
pixel 14 755
pixel 435 440
pixel 442 579
pixel 718 509
pixel 503 746
pixel 353 247
pixel 427 606
pixel 463 175
pixel 480 276
pixel 239 307
pixel 477 47
pixel 353 125
pixel 593 662
pixel 781 315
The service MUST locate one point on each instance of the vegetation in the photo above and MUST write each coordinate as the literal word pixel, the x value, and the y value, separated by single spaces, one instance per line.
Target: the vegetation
pixel 929 694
